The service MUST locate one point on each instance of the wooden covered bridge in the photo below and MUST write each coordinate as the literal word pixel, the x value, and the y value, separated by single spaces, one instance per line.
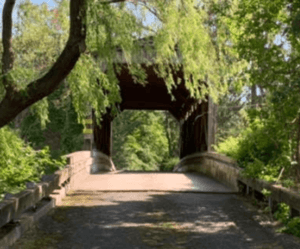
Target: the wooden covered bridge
pixel 197 118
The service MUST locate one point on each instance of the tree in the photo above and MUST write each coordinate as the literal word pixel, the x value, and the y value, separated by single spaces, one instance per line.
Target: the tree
pixel 231 114
pixel 53 120
pixel 268 38
pixel 101 28
pixel 61 133
pixel 15 99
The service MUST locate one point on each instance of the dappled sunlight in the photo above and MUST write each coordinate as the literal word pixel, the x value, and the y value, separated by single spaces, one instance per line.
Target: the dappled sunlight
pixel 212 227
pixel 197 226
pixel 150 220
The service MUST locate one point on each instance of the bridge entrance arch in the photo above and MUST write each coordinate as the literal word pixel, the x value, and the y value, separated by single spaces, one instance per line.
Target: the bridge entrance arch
pixel 196 118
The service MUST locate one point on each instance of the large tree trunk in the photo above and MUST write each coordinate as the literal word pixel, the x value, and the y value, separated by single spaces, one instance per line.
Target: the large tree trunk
pixel 16 100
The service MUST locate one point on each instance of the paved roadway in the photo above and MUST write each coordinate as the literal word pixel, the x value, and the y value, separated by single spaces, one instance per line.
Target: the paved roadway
pixel 93 217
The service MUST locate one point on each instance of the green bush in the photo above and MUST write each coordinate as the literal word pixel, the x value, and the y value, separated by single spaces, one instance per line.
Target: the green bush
pixel 260 150
pixel 282 213
pixel 291 225
pixel 19 163
pixel 229 147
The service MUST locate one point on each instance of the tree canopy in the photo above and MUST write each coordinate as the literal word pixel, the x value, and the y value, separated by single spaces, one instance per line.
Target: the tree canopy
pixel 31 71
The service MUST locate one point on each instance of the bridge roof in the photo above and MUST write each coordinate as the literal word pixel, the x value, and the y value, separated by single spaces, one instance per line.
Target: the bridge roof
pixel 154 95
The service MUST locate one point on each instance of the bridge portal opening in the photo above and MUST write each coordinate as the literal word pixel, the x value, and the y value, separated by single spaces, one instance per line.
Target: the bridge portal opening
pixel 145 140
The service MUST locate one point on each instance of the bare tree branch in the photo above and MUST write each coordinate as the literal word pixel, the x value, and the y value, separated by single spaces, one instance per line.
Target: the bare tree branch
pixel 15 101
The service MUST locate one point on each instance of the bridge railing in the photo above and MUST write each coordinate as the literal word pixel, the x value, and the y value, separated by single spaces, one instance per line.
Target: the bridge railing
pixel 225 170
pixel 56 186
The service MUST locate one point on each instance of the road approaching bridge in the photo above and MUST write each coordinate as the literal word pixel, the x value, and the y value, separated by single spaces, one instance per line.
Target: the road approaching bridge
pixel 151 210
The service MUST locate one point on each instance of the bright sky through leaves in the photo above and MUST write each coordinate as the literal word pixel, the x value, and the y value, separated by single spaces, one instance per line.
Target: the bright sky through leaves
pixel 149 19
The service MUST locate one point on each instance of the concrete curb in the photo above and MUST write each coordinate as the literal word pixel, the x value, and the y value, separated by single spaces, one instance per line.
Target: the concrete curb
pixel 10 233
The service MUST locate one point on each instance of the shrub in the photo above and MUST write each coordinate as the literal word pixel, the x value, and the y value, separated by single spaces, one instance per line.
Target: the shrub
pixel 229 147
pixel 293 227
pixel 282 213
pixel 19 163
pixel 260 150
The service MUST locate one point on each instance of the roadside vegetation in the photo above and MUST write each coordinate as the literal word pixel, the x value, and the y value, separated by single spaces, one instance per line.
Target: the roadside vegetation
pixel 20 163
pixel 263 130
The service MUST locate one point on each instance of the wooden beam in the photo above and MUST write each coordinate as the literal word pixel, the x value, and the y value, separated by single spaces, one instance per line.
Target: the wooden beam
pixel 103 134
pixel 134 105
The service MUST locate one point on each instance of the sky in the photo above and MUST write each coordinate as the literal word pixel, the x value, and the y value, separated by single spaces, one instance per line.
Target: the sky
pixel 150 19
pixel 49 2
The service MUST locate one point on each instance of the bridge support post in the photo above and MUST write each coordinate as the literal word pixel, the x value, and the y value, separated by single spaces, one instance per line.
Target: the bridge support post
pixel 197 131
pixel 102 150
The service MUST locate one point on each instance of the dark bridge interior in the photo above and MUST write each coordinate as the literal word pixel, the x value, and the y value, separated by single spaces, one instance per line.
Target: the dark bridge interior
pixel 154 95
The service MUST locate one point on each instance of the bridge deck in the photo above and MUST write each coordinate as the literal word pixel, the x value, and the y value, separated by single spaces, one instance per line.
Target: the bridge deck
pixel 149 181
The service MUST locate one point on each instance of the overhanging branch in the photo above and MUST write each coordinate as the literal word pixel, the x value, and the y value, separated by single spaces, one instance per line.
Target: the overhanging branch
pixel 16 101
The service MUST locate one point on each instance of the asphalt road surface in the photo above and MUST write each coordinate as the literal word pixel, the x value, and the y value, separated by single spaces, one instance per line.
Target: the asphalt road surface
pixel 95 218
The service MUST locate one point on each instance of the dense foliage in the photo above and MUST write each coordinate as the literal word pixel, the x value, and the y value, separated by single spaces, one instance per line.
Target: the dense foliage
pixel 20 163
pixel 267 36
pixel 260 149
pixel 62 133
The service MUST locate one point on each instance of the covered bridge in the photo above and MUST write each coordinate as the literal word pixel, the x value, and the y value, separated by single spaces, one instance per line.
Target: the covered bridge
pixel 196 117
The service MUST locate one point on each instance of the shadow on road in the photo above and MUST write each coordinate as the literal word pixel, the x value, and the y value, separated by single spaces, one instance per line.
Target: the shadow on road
pixel 150 220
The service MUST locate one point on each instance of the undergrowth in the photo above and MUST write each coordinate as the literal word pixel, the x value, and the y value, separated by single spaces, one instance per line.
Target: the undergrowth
pixel 20 163
pixel 291 225
pixel 260 151
pixel 264 152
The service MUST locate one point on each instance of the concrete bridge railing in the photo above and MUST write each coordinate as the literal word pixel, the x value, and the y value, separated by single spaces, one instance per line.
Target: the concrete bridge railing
pixel 225 170
pixel 56 186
